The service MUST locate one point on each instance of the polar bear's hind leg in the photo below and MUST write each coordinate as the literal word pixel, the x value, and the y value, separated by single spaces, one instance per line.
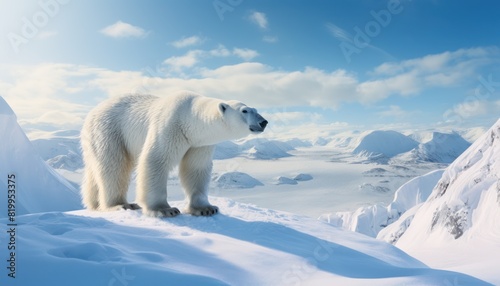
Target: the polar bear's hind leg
pixel 90 191
pixel 113 180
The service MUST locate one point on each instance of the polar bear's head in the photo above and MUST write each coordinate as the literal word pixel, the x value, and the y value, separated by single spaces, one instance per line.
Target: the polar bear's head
pixel 243 118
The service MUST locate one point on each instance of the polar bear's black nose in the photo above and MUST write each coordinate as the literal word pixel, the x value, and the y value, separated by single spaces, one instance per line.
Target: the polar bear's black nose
pixel 263 124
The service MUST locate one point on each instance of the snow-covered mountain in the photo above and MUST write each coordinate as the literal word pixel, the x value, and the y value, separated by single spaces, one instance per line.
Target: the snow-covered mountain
pixel 384 143
pixel 60 149
pixel 464 204
pixel 442 148
pixel 392 147
pixel 38 187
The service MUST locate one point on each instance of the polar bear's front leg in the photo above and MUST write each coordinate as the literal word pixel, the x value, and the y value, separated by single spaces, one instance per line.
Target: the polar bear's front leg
pixel 195 170
pixel 152 174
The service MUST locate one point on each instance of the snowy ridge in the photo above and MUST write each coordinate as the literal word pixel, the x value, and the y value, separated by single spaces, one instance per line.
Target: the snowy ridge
pixel 244 245
pixel 38 187
pixel 370 220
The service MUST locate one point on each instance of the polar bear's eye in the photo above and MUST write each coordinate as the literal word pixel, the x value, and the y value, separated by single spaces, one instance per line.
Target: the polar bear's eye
pixel 244 111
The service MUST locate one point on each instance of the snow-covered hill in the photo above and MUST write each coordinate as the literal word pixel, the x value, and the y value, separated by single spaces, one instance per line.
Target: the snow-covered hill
pixel 376 144
pixel 245 245
pixel 38 188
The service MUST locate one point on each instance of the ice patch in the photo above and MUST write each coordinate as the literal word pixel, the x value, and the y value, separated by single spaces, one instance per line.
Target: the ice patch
pixel 285 181
pixel 236 180
pixel 302 177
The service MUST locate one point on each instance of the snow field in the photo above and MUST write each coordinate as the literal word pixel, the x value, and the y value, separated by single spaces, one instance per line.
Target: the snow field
pixel 245 245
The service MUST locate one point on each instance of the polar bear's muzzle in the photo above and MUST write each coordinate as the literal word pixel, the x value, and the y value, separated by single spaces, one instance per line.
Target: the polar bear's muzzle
pixel 260 126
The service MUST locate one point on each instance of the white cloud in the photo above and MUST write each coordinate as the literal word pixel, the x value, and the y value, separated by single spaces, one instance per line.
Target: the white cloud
pixel 186 61
pixel 123 30
pixel 259 19
pixel 444 68
pixel 193 57
pixel 473 108
pixel 187 42
pixel 245 54
pixel 37 91
pixel 270 39
pixel 410 77
pixel 220 51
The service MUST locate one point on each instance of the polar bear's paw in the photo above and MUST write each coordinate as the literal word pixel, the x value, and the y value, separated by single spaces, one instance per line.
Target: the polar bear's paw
pixel 203 211
pixel 131 207
pixel 163 212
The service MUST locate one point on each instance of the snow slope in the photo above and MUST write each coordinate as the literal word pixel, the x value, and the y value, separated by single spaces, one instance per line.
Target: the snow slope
pixel 38 187
pixel 462 215
pixel 244 245
pixel 370 220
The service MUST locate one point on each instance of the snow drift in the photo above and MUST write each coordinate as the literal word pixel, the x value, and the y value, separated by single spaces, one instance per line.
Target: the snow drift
pixel 38 187
pixel 244 245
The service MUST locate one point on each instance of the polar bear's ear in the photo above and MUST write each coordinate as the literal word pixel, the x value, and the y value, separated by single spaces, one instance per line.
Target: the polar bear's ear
pixel 222 107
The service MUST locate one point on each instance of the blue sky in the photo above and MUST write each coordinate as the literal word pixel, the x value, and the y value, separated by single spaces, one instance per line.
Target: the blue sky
pixel 352 64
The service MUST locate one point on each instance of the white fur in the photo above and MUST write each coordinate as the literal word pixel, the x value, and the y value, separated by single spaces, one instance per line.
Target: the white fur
pixel 155 135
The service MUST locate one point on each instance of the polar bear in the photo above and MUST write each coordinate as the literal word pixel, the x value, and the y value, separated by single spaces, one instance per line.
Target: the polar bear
pixel 155 135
